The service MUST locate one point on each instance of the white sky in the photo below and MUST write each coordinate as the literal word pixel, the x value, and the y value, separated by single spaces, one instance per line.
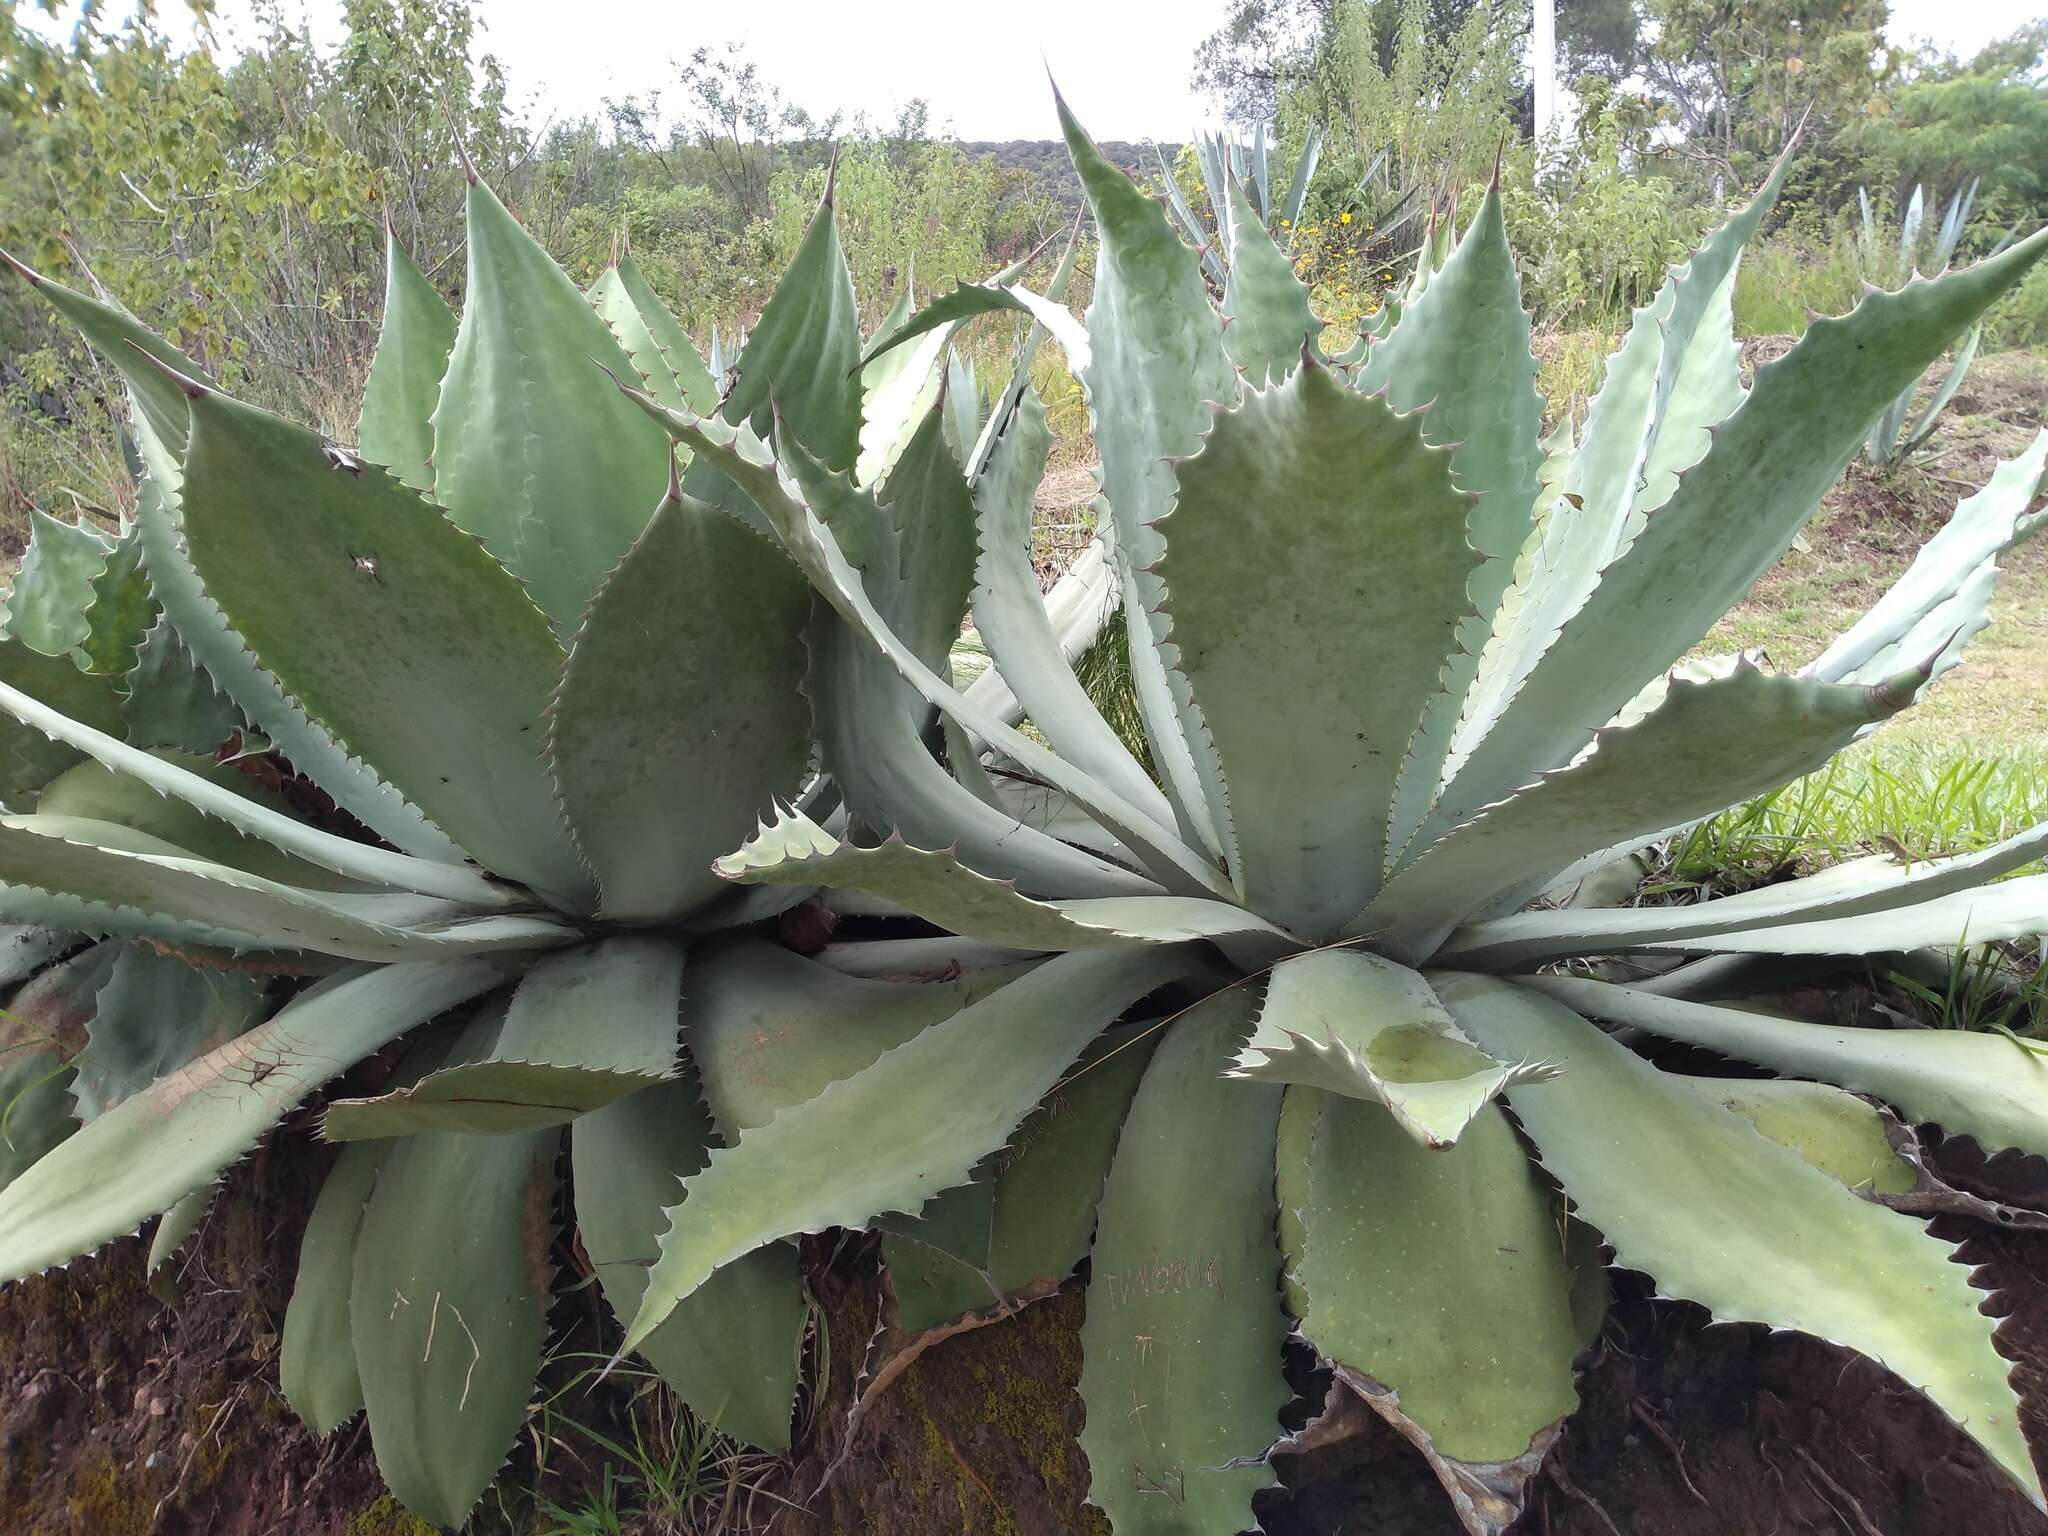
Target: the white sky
pixel 1123 64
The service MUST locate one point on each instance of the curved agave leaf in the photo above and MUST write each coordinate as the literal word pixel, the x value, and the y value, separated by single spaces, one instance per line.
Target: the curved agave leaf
pixel 158 883
pixel 1731 516
pixel 553 474
pixel 1156 360
pixel 316 1364
pixel 1981 1085
pixel 1438 1284
pixel 448 1302
pixel 1769 1239
pixel 679 712
pixel 1362 1027
pixel 768 1028
pixel 1841 1135
pixel 1271 327
pixel 152 1015
pixel 35 1107
pixel 148 1153
pixel 1180 1351
pixel 730 1350
pixel 793 849
pixel 30 756
pixel 1982 527
pixel 1462 351
pixel 1363 543
pixel 1814 905
pixel 586 1026
pixel 91 791
pixel 46 607
pixel 1015 622
pixel 344 856
pixel 1705 743
pixel 921 1117
pixel 816 550
pixel 1035 1200
pixel 369 608
pixel 396 427
pixel 663 355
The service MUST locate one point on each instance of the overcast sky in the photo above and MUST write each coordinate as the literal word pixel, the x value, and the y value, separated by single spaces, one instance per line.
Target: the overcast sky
pixel 1122 63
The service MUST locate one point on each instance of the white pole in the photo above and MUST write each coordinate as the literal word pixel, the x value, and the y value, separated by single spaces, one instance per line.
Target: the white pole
pixel 1543 48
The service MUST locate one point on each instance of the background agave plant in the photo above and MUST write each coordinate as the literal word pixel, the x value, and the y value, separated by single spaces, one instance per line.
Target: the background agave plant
pixel 1260 1013
pixel 1498 697
pixel 1891 438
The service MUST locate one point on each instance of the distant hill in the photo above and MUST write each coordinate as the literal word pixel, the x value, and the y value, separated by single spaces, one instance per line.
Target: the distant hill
pixel 1053 172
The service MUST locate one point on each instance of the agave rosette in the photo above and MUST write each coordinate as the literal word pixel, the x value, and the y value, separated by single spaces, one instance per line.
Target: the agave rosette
pixel 1404 664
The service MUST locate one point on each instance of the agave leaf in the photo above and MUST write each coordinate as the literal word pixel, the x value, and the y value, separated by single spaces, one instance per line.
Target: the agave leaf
pixel 629 323
pixel 585 1027
pixel 768 1028
pixel 224 662
pixel 730 1350
pixel 448 1302
pixel 1191 227
pixel 793 849
pixel 1304 173
pixel 679 712
pixel 30 758
pixel 35 1108
pixel 1857 888
pixel 1958 370
pixel 368 608
pixel 46 608
pixel 897 388
pixel 1180 1352
pixel 1156 361
pixel 816 550
pixel 678 352
pixel 1438 1284
pixel 1980 1085
pixel 931 516
pixel 1768 1239
pixel 531 454
pixel 1031 1210
pixel 317 1359
pixel 120 612
pixel 1271 326
pixel 1462 350
pixel 114 867
pixel 152 1015
pixel 91 791
pixel 1362 1027
pixel 1841 1135
pixel 396 427
pixel 2009 910
pixel 77 734
pixel 802 359
pixel 1732 515
pixel 176 1227
pixel 148 1153
pixel 1983 526
pixel 1713 737
pixel 1363 543
pixel 921 1117
pixel 1015 623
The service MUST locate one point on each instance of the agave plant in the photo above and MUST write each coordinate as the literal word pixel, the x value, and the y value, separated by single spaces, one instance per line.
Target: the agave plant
pixel 1405 663
pixel 1401 671
pixel 1892 440
pixel 420 749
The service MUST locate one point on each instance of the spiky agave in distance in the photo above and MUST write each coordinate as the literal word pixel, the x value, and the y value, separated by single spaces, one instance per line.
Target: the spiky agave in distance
pixel 1392 664
pixel 1405 664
